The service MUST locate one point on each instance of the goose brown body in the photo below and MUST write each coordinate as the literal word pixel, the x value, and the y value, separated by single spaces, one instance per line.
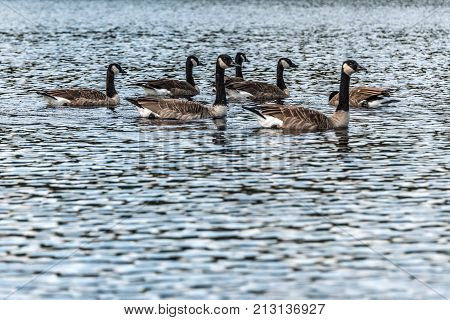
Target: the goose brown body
pixel 81 97
pixel 174 109
pixel 258 90
pixel 296 117
pixel 175 88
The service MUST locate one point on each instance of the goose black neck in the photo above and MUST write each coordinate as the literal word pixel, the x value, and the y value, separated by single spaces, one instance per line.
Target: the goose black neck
pixel 189 77
pixel 239 62
pixel 344 92
pixel 239 72
pixel 110 89
pixel 221 97
pixel 280 78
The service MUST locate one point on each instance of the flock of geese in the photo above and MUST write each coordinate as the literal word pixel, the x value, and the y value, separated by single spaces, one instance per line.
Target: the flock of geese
pixel 165 98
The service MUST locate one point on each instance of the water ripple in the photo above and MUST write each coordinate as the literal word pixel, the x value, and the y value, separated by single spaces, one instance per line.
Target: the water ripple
pixel 149 209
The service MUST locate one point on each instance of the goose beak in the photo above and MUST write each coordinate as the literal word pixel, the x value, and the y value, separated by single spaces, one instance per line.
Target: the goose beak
pixel 294 66
pixel 123 71
pixel 360 68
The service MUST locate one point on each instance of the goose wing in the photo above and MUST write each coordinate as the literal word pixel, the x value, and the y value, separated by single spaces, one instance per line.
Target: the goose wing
pixel 230 80
pixel 176 87
pixel 75 94
pixel 257 89
pixel 359 95
pixel 367 93
pixel 174 109
pixel 296 117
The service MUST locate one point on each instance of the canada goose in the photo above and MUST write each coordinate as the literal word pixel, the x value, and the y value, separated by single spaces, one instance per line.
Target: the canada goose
pixel 177 109
pixel 239 60
pixel 362 97
pixel 260 90
pixel 86 97
pixel 173 87
pixel 304 119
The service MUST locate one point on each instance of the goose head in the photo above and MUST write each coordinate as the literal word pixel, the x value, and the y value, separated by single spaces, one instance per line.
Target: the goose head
pixel 286 63
pixel 224 61
pixel 115 68
pixel 351 66
pixel 193 61
pixel 332 94
pixel 240 58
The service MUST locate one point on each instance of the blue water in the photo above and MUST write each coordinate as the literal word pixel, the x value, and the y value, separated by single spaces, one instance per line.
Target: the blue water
pixel 100 204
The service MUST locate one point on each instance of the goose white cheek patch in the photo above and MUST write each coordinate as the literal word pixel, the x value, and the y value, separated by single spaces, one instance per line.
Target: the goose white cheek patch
pixel 285 64
pixel 347 69
pixel 115 70
pixel 194 63
pixel 222 64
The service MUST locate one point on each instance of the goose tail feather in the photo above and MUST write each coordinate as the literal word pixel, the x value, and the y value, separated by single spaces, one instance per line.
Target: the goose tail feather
pixel 139 84
pixel 45 94
pixel 390 101
pixel 134 101
pixel 255 111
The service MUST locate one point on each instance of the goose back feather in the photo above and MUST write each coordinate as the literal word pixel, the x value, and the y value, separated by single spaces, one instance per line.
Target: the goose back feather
pixel 361 97
pixel 171 109
pixel 78 97
pixel 230 80
pixel 257 90
pixel 170 87
pixel 291 117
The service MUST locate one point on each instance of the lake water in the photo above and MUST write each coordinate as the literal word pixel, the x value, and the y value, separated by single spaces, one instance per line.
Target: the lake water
pixel 100 204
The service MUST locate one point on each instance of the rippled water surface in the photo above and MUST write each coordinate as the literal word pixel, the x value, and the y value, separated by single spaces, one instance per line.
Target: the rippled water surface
pixel 97 203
